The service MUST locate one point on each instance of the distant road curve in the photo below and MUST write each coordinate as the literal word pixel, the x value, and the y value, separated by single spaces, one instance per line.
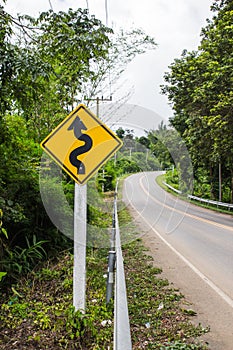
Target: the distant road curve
pixel 202 239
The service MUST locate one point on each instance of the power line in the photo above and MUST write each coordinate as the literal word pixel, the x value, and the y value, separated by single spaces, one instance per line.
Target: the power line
pixel 106 11
pixel 109 70
pixel 50 3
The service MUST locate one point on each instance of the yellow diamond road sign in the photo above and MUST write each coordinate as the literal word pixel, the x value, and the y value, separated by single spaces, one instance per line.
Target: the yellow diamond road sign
pixel 81 144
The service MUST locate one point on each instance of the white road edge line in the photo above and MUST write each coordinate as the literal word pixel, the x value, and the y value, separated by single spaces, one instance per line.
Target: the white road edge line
pixel 207 221
pixel 223 295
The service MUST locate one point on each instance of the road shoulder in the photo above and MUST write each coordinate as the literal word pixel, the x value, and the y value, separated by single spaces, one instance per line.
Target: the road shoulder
pixel 211 310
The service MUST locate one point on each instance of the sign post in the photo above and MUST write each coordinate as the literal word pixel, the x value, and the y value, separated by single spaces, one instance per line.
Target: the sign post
pixel 80 144
pixel 80 228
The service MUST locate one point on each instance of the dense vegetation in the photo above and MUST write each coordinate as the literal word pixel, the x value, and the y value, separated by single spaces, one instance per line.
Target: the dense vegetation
pixel 47 65
pixel 199 86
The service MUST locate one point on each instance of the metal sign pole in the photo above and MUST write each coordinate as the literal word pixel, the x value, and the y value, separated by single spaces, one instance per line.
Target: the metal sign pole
pixel 79 270
pixel 62 144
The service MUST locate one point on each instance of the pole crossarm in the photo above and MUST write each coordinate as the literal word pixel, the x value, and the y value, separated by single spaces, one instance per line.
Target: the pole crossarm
pixel 97 99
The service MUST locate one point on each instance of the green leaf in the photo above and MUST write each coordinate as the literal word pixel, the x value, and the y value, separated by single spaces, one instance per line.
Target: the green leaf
pixel 2 274
pixel 189 312
pixel 3 230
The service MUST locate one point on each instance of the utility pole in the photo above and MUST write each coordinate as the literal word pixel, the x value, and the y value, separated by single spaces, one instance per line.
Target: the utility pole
pixel 220 181
pixel 97 99
pixel 112 253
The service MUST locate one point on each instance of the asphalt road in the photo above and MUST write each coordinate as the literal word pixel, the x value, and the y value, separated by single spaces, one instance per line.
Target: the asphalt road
pixel 196 247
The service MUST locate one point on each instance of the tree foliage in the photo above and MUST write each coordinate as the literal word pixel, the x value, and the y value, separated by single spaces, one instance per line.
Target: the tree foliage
pixel 199 86
pixel 47 65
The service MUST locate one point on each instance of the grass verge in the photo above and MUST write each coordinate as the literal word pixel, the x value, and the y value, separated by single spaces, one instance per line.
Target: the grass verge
pixel 161 178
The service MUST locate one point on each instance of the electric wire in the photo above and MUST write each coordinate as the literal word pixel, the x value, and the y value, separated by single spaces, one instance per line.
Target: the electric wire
pixel 106 11
pixel 50 4
pixel 109 70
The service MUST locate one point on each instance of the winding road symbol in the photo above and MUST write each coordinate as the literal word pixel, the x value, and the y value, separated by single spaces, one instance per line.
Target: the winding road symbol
pixel 77 126
pixel 81 144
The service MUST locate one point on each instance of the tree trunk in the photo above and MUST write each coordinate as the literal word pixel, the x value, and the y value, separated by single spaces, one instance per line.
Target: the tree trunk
pixel 211 183
pixel 232 185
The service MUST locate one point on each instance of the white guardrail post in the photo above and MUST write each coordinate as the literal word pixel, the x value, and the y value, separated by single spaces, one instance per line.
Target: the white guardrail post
pixel 122 336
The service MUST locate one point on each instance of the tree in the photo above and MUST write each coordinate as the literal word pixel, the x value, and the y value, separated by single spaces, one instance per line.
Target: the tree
pixel 199 86
pixel 67 57
pixel 6 59
pixel 71 42
pixel 120 133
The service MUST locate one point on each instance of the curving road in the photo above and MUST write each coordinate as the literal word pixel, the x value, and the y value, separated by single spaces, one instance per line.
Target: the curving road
pixel 197 250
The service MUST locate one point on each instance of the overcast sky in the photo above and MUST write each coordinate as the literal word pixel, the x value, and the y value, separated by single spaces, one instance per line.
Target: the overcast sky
pixel 175 25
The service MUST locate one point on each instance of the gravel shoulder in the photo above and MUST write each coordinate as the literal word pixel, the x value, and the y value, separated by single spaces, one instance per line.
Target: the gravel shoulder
pixel 211 310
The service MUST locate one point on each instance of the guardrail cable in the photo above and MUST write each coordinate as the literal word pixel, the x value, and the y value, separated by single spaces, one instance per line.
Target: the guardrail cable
pixel 122 336
pixel 208 201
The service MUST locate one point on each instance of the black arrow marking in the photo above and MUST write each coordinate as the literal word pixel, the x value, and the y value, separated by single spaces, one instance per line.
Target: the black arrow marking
pixel 77 126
